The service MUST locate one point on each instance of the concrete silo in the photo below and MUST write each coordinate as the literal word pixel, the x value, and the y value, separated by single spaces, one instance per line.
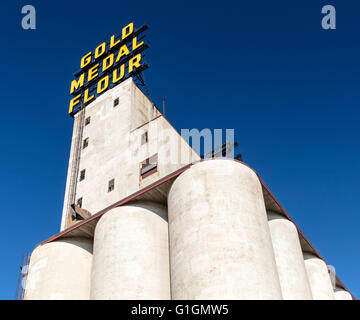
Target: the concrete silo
pixel 60 270
pixel 289 258
pixel 220 245
pixel 131 253
pixel 341 294
pixel 319 278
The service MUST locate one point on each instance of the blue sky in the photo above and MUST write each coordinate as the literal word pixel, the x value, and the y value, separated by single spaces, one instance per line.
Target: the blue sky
pixel 265 68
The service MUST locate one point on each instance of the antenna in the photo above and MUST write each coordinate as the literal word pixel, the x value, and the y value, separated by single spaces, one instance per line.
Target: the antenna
pixel 164 107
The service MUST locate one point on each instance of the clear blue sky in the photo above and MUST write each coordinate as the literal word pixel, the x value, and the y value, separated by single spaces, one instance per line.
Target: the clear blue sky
pixel 265 68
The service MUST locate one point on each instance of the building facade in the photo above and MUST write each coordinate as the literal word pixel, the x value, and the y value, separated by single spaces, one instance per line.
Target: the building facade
pixel 145 217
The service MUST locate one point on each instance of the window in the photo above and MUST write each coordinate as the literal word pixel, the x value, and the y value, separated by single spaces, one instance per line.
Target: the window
pixel 148 166
pixel 111 185
pixel 79 202
pixel 144 138
pixel 82 175
pixel 87 121
pixel 116 102
pixel 85 143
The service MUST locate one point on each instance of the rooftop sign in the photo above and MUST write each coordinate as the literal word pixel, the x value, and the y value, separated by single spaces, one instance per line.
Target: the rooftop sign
pixel 108 65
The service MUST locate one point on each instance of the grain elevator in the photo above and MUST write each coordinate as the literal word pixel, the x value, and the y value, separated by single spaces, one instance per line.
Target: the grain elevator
pixel 145 217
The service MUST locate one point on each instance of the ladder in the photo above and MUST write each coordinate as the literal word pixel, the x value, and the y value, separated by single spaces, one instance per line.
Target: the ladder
pixel 75 163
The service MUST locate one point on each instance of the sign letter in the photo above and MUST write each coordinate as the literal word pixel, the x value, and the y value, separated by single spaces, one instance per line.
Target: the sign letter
pixel 85 60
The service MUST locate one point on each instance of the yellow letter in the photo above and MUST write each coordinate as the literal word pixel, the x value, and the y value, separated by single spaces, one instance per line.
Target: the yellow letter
pixel 135 45
pixel 100 87
pixel 100 50
pixel 112 43
pixel 77 84
pixel 85 60
pixel 73 102
pixel 124 51
pixel 134 62
pixel 128 30
pixel 93 72
pixel 117 78
pixel 86 96
pixel 108 62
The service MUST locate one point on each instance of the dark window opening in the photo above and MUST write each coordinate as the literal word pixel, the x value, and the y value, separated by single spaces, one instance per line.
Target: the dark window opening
pixel 111 186
pixel 116 102
pixel 79 202
pixel 85 143
pixel 148 166
pixel 87 121
pixel 144 138
pixel 82 175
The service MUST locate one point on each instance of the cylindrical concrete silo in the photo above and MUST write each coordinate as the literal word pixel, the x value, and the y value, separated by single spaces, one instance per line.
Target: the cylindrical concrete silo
pixel 289 258
pixel 319 278
pixel 60 270
pixel 341 294
pixel 131 253
pixel 220 245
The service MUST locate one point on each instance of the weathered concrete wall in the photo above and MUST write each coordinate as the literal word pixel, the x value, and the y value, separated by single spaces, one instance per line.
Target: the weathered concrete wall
pixel 60 270
pixel 289 258
pixel 173 152
pixel 115 150
pixel 131 254
pixel 341 294
pixel 220 245
pixel 319 278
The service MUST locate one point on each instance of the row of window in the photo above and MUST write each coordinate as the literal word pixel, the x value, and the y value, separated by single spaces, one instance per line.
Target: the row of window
pixel 144 139
pixel 87 120
pixel 144 136
pixel 111 187
pixel 147 167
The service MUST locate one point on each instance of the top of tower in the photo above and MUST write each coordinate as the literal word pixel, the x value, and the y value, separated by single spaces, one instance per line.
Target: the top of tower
pixel 109 64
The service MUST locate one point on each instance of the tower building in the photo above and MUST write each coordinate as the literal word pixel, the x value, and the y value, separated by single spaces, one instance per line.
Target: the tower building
pixel 121 143
pixel 145 217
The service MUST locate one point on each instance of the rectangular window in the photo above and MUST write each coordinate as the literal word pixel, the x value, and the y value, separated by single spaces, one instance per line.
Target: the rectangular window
pixel 79 202
pixel 111 185
pixel 87 121
pixel 148 166
pixel 144 138
pixel 82 175
pixel 85 143
pixel 116 102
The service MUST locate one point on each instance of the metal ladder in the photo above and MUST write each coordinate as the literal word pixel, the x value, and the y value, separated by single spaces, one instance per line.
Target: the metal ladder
pixel 75 163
